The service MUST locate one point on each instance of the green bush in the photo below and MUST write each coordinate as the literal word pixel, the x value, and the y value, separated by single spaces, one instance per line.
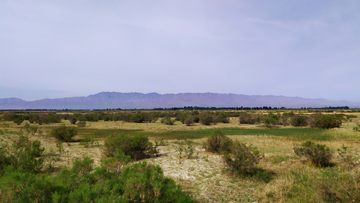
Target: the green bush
pixel 72 120
pixel 63 133
pixel 218 143
pixel 81 123
pixel 206 118
pixel 319 155
pixel 24 154
pixel 245 118
pixel 242 159
pixel 299 120
pixel 146 183
pixel 325 121
pixel 167 121
pixel 133 146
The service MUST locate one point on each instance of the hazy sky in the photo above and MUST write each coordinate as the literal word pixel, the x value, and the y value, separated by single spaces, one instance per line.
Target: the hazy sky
pixel 307 48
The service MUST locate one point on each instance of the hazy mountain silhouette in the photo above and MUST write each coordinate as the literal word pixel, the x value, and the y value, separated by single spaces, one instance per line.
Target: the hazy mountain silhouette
pixel 105 100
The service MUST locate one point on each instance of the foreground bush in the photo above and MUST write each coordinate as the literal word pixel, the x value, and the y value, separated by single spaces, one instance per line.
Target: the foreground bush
pixel 23 153
pixel 319 155
pixel 113 182
pixel 218 143
pixel 140 182
pixel 133 146
pixel 63 133
pixel 242 159
pixel 146 183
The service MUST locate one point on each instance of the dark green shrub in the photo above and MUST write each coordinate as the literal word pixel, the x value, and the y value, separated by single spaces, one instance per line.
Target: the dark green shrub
pixel 81 123
pixel 133 146
pixel 181 116
pixel 218 143
pixel 242 159
pixel 319 155
pixel 222 117
pixel 18 119
pixel 206 118
pixel 63 133
pixel 72 120
pixel 326 121
pixel 299 120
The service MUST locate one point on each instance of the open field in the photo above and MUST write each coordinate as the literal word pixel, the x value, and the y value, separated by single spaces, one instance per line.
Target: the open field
pixel 204 175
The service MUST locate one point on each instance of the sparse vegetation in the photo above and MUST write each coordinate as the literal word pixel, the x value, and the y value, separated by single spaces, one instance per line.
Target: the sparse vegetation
pixel 319 155
pixel 65 175
pixel 63 133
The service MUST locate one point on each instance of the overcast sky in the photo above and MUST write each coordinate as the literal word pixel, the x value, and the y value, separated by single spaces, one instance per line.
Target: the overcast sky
pixel 307 48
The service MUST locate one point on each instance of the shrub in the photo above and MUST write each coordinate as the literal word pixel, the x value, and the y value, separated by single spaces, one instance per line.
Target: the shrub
pixel 319 155
pixel 18 119
pixel 325 121
pixel 63 133
pixel 299 120
pixel 189 120
pixel 146 183
pixel 22 154
pixel 133 146
pixel 242 159
pixel 206 118
pixel 72 120
pixel 223 118
pixel 218 143
pixel 167 121
pixel 81 124
pixel 245 118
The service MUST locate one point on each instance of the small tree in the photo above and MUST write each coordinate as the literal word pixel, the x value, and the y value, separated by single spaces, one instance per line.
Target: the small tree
pixel 63 133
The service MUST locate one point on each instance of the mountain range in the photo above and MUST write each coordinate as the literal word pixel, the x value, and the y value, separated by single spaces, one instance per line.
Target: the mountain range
pixel 104 100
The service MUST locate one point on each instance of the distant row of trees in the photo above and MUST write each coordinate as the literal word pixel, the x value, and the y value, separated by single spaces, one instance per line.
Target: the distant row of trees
pixel 185 117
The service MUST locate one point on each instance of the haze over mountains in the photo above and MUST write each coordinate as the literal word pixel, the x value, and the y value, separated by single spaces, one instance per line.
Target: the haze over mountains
pixel 104 100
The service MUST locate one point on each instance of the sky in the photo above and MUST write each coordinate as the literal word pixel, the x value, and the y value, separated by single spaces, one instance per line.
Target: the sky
pixel 55 49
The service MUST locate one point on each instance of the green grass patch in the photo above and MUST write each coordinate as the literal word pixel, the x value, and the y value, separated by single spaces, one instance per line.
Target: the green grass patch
pixel 104 133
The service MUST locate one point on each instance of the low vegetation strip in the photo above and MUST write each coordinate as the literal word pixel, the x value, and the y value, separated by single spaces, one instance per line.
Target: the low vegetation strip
pixel 292 133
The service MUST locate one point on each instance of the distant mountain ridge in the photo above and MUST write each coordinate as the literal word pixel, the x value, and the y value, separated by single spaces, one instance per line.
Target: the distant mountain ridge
pixel 104 100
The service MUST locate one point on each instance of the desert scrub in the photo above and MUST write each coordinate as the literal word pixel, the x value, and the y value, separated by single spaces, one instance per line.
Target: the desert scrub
pixel 167 121
pixel 242 159
pixel 133 146
pixel 218 143
pixel 186 149
pixel 23 153
pixel 299 120
pixel 146 183
pixel 319 155
pixel 81 123
pixel 63 133
pixel 325 121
